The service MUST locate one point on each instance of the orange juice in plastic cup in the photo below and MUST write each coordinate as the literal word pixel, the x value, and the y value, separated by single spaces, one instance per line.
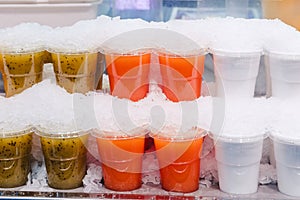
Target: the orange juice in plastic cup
pixel 179 161
pixel 121 160
pixel 129 74
pixel 286 10
pixel 181 76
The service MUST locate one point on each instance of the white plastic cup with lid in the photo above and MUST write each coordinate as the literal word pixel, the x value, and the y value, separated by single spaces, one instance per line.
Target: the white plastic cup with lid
pixel 235 73
pixel 238 160
pixel 287 157
pixel 284 73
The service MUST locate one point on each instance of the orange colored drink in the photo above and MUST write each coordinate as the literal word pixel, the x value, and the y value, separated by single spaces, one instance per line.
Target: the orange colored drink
pixel 179 162
pixel 128 75
pixel 286 10
pixel 121 159
pixel 181 76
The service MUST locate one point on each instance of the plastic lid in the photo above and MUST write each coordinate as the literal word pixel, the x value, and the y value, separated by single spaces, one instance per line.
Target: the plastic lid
pixel 121 134
pixel 63 132
pixel 284 138
pixel 173 134
pixel 5 133
pixel 238 139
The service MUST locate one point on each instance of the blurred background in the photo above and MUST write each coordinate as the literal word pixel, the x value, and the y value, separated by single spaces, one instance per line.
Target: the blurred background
pixel 164 10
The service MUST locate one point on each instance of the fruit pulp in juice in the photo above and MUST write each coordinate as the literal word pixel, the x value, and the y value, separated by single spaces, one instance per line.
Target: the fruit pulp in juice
pixel 181 76
pixel 15 160
pixel 179 163
pixel 121 160
pixel 65 160
pixel 128 75
pixel 21 70
pixel 76 72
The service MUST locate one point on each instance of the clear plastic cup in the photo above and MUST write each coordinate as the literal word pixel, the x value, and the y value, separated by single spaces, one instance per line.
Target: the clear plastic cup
pixel 287 157
pixel 21 70
pixel 236 73
pixel 47 57
pixel 237 8
pixel 65 157
pixel 181 76
pixel 285 10
pixel 238 162
pixel 284 74
pixel 15 157
pixel 129 74
pixel 179 161
pixel 76 72
pixel 121 159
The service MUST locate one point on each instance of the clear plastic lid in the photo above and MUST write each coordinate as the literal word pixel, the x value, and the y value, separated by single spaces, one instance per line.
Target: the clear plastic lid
pixel 60 132
pixel 16 131
pixel 173 134
pixel 238 138
pixel 121 134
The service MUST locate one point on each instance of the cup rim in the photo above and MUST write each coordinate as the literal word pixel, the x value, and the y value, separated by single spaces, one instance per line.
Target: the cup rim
pixel 159 135
pixel 17 51
pixel 284 140
pixel 282 54
pixel 104 134
pixel 166 53
pixel 238 139
pixel 19 132
pixel 44 132
pixel 140 52
pixel 72 53
pixel 230 53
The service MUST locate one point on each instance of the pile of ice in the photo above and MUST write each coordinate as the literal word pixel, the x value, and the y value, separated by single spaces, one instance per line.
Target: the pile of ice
pixel 117 35
pixel 26 37
pixel 48 105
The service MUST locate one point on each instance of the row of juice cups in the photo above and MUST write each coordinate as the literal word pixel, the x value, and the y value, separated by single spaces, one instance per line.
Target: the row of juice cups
pixel 238 160
pixel 181 76
pixel 81 72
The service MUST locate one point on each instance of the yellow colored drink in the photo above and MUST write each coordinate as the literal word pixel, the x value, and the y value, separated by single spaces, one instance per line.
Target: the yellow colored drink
pixel 65 159
pixel 21 70
pixel 76 72
pixel 15 151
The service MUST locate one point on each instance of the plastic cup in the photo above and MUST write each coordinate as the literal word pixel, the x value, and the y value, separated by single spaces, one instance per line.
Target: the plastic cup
pixel 15 157
pixel 236 73
pixel 121 160
pixel 65 157
pixel 181 76
pixel 100 71
pixel 284 74
pixel 47 57
pixel 129 75
pixel 237 8
pixel 179 162
pixel 287 157
pixel 285 10
pixel 238 162
pixel 21 70
pixel 76 72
